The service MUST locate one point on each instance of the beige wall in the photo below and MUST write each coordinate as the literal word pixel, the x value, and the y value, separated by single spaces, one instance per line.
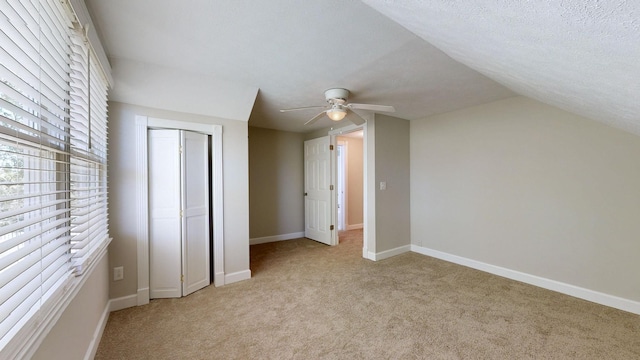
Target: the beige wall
pixel 392 216
pixel 320 132
pixel 122 193
pixel 354 180
pixel 72 336
pixel 528 187
pixel 276 182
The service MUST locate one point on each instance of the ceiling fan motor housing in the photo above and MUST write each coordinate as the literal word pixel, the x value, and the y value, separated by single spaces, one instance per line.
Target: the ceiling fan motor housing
pixel 337 94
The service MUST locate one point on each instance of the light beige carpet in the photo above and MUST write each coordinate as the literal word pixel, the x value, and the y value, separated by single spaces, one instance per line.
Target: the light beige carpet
pixel 311 301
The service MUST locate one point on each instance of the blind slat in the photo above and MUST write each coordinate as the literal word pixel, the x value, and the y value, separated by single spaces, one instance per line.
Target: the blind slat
pixel 27 209
pixel 21 308
pixel 13 271
pixel 15 241
pixel 17 226
pixel 53 251
pixel 32 195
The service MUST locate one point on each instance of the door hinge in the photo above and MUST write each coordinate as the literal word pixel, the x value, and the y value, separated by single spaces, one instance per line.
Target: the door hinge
pixel 331 227
pixel 180 213
pixel 330 187
pixel 180 149
pixel 181 278
pixel 330 147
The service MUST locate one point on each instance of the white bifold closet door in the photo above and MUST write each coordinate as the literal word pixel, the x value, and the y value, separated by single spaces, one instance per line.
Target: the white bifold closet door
pixel 178 213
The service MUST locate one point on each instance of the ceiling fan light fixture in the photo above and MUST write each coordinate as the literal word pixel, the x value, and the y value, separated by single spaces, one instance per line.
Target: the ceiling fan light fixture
pixel 336 114
pixel 338 105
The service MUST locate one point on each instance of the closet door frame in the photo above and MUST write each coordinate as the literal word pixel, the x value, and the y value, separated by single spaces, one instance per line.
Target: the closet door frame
pixel 143 123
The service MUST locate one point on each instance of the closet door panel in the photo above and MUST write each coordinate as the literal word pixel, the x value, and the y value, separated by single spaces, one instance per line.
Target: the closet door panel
pixel 164 214
pixel 196 234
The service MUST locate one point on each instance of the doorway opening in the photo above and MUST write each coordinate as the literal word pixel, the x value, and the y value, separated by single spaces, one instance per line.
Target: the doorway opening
pixel 320 173
pixel 341 172
pixel 349 172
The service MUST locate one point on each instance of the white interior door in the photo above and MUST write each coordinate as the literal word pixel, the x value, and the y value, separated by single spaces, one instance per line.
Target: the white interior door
pixel 317 200
pixel 195 221
pixel 165 263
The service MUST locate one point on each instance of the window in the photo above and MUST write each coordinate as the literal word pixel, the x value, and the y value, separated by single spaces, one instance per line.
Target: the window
pixel 53 151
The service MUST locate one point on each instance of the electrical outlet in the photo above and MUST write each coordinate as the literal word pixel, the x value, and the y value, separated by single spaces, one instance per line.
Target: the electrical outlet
pixel 118 273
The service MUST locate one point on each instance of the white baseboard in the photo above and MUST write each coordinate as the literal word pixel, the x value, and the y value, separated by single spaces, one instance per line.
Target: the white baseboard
pixel 143 296
pixel 389 253
pixel 237 276
pixel 274 238
pixel 368 255
pixel 355 226
pixel 564 288
pixel 123 302
pixel 218 279
pixel 97 335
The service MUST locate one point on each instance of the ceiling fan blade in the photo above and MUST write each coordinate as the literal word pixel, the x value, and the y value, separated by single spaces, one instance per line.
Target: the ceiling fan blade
pixel 313 119
pixel 303 108
pixel 356 119
pixel 382 108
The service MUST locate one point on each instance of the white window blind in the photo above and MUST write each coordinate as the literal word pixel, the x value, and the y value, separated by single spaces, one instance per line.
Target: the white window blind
pixel 89 155
pixel 53 190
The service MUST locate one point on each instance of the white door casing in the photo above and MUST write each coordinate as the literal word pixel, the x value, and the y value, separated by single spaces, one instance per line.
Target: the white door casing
pixel 195 205
pixel 317 199
pixel 165 258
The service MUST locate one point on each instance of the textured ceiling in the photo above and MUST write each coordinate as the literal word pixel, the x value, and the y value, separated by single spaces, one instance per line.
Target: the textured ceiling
pixel 290 50
pixel 211 57
pixel 580 55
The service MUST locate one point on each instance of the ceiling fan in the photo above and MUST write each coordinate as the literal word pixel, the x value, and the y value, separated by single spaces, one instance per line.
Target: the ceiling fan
pixel 337 107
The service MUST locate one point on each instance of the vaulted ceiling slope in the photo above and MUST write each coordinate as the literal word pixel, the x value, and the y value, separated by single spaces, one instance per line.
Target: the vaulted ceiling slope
pixel 211 57
pixel 580 55
pixel 422 56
